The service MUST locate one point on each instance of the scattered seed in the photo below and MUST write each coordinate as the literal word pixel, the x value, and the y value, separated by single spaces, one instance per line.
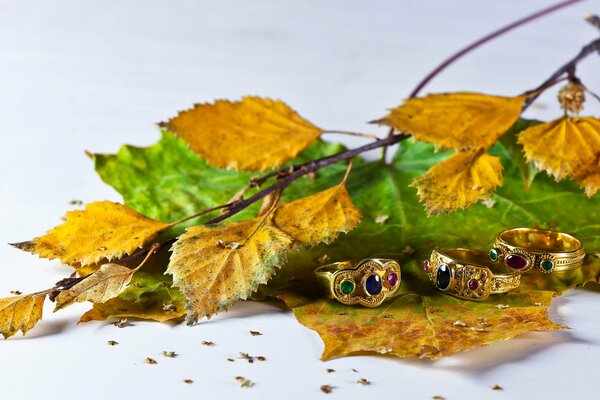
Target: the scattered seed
pixel 381 219
pixel 497 387
pixel 324 259
pixel 326 388
pixel 245 383
pixel 170 354
pixel 230 360
pixel 439 398
pixel 112 343
pixel 502 306
pixel 169 307
pixel 120 323
pixel 149 360
pixel 188 381
pixel 330 370
pixel 261 358
pixel 246 356
pixel 208 343
pixel 76 202
pixel 354 370
pixel 16 292
pixel 363 381
pixel 255 333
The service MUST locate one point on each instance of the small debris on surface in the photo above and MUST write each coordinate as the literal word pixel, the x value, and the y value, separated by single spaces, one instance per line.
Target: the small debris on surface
pixel 354 370
pixel 245 383
pixel 497 387
pixel 489 202
pixel 261 358
pixel 223 245
pixel 537 304
pixel 330 370
pixel 120 323
pixel 246 356
pixel 169 307
pixel 458 322
pixel 439 398
pixel 208 343
pixel 502 306
pixel 230 360
pixel 170 354
pixel 255 333
pixel 16 292
pixel 149 360
pixel 381 219
pixel 76 202
pixel 326 388
pixel 324 259
pixel 112 343
pixel 363 381
pixel 188 381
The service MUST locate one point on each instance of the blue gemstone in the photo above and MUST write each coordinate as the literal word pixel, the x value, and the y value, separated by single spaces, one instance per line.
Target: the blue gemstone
pixel 443 277
pixel 373 284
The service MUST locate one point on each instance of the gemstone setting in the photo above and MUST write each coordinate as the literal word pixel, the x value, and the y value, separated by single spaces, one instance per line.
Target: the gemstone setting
pixel 392 279
pixel 494 254
pixel 443 277
pixel 516 261
pixel 347 286
pixel 373 284
pixel 473 284
pixel 547 265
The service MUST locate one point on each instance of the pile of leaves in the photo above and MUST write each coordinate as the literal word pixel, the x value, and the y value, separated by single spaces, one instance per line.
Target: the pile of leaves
pixel 244 199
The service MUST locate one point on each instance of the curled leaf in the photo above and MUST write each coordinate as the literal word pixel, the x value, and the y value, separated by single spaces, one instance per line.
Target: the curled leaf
pixel 104 231
pixel 20 313
pixel 459 181
pixel 456 120
pixel 246 134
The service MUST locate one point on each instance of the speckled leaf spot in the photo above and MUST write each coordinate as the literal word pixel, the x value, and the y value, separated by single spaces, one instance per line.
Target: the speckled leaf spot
pixel 246 134
pixel 104 231
pixel 216 266
pixel 20 313
pixel 456 120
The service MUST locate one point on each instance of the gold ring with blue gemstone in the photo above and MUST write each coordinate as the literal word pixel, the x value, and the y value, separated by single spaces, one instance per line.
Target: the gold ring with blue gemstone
pixel 522 249
pixel 469 274
pixel 367 282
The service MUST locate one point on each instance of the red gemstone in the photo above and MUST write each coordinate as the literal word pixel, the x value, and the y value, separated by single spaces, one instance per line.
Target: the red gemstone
pixel 392 279
pixel 516 261
pixel 426 265
pixel 473 284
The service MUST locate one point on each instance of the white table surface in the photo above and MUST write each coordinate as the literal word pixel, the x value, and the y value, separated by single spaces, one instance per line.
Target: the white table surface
pixel 77 75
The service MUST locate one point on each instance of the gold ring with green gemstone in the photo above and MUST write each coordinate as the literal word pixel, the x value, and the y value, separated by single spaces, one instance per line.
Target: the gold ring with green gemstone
pixel 522 249
pixel 469 274
pixel 367 282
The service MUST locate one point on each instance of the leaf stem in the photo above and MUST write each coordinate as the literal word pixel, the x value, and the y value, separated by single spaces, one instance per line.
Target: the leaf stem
pixel 349 133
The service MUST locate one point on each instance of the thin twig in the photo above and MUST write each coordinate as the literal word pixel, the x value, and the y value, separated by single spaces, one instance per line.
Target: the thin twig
pixel 349 133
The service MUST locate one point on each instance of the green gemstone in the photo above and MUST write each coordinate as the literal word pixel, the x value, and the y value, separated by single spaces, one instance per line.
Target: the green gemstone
pixel 493 254
pixel 547 265
pixel 347 287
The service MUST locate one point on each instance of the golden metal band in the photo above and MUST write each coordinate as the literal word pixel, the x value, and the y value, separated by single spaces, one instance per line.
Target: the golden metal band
pixel 468 274
pixel 522 249
pixel 368 282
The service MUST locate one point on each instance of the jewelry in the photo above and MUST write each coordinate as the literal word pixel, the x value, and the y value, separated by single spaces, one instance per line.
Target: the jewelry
pixel 523 248
pixel 468 274
pixel 368 282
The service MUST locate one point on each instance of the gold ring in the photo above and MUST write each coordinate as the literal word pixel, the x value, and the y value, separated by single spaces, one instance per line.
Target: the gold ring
pixel 468 274
pixel 523 248
pixel 368 282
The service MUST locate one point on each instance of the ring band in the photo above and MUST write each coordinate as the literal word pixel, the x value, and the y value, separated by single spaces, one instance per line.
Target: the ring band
pixel 468 274
pixel 521 249
pixel 368 282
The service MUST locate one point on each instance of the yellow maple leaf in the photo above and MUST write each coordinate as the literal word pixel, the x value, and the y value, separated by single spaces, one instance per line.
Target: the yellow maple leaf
pixel 459 181
pixel 456 120
pixel 20 313
pixel 320 217
pixel 252 134
pixel 104 231
pixel 566 147
pixel 216 266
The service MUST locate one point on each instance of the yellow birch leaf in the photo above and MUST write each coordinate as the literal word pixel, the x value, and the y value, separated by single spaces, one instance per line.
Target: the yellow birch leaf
pixel 459 181
pixel 456 120
pixel 104 231
pixel 252 134
pixel 564 147
pixel 20 313
pixel 216 266
pixel 591 184
pixel 320 217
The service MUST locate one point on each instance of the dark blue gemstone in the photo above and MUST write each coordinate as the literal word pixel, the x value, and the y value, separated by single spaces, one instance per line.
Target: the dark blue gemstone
pixel 443 277
pixel 373 284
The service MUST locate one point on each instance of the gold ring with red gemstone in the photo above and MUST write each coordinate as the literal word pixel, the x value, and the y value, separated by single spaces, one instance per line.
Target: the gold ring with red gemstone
pixel 367 282
pixel 469 274
pixel 522 249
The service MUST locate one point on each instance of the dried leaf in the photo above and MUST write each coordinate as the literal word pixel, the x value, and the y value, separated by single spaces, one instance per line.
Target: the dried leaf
pixel 566 147
pixel 456 120
pixel 213 276
pixel 104 231
pixel 459 181
pixel 20 313
pixel 252 134
pixel 591 183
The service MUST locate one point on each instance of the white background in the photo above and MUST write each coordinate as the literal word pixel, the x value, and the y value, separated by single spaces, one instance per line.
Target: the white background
pixel 77 75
